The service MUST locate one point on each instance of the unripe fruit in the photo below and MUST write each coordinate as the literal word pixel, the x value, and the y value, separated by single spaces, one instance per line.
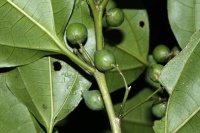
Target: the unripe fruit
pixel 114 17
pixel 76 33
pixel 175 51
pixel 161 53
pixel 151 60
pixel 159 108
pixel 93 100
pixel 153 84
pixel 154 72
pixel 103 60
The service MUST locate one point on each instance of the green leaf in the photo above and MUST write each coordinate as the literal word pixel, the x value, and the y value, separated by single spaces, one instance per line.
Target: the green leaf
pixel 14 116
pixel 140 119
pixel 49 87
pixel 180 77
pixel 129 43
pixel 11 57
pixel 62 10
pixel 159 126
pixel 184 19
pixel 28 28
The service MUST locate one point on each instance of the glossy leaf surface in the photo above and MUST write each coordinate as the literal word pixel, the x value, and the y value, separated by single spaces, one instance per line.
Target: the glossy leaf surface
pixel 184 17
pixel 129 43
pixel 28 28
pixel 180 77
pixel 50 88
pixel 14 116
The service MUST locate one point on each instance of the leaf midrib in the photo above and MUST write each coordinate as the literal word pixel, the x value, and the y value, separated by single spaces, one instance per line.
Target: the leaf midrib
pixel 52 36
pixel 51 96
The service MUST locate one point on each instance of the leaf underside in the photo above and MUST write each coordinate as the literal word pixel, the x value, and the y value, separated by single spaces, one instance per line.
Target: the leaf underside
pixel 49 87
pixel 180 77
pixel 184 18
pixel 14 116
pixel 31 29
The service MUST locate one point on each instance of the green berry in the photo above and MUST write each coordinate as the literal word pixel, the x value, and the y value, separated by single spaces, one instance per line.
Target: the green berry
pixel 114 17
pixel 159 108
pixel 151 60
pixel 104 60
pixel 93 100
pixel 154 72
pixel 175 51
pixel 161 53
pixel 76 33
pixel 153 84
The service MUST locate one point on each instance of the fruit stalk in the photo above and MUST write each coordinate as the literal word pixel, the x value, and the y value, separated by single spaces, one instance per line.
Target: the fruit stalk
pixel 144 101
pixel 126 91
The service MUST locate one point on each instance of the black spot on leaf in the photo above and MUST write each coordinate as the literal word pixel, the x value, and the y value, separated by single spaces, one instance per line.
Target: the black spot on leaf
pixel 141 23
pixel 57 66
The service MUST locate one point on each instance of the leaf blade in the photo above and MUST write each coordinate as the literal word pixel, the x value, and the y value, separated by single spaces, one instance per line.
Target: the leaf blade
pixel 12 108
pixel 32 26
pixel 183 104
pixel 10 56
pixel 62 10
pixel 184 19
pixel 49 94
